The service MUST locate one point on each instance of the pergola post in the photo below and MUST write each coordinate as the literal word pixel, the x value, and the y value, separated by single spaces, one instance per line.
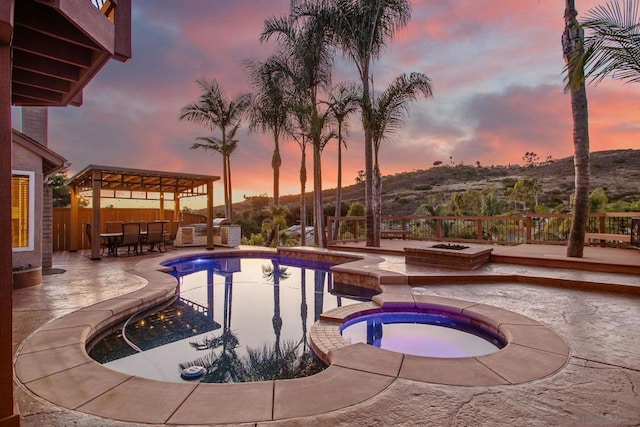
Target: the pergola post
pixel 161 206
pixel 210 215
pixel 96 186
pixel 8 413
pixel 176 207
pixel 74 219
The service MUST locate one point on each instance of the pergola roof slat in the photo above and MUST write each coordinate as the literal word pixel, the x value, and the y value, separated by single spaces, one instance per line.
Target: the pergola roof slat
pixel 140 180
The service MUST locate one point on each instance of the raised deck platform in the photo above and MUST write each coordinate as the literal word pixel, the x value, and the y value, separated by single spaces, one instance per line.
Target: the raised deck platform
pixel 468 257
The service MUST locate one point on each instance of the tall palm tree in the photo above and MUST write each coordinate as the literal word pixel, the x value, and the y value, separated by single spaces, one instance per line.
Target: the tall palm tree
pixel 572 46
pixel 388 114
pixel 343 101
pixel 612 44
pixel 215 111
pixel 269 109
pixel 305 36
pixel 362 28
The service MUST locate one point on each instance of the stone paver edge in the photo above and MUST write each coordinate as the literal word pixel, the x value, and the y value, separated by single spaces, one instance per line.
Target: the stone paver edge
pixel 105 314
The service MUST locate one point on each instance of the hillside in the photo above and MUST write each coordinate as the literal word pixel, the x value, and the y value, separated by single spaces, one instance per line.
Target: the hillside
pixel 616 171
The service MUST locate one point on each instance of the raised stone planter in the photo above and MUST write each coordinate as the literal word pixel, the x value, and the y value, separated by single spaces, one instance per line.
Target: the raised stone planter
pixel 27 278
pixel 468 258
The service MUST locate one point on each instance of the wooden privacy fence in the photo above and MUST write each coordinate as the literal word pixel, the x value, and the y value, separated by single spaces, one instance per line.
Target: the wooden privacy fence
pixel 62 222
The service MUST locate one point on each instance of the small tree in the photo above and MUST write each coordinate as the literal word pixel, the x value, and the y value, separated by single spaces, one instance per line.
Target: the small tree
pixel 531 159
pixel 61 193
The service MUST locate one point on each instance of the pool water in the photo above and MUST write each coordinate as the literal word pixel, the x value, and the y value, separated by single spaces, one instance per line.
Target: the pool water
pixel 242 319
pixel 422 334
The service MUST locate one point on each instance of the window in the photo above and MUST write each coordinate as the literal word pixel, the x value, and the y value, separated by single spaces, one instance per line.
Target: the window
pixel 22 210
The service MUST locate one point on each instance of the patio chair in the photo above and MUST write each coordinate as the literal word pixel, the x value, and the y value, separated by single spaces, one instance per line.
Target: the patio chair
pixel 155 236
pixel 87 230
pixel 170 237
pixel 130 236
pixel 113 226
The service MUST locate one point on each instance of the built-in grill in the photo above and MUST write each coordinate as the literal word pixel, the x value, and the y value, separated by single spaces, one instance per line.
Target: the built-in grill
pixel 217 225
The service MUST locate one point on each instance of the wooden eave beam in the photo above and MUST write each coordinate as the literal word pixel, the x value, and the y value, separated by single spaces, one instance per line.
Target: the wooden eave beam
pixel 30 41
pixel 48 67
pixel 41 81
pixel 88 19
pixel 44 20
pixel 18 101
pixel 122 24
pixel 36 93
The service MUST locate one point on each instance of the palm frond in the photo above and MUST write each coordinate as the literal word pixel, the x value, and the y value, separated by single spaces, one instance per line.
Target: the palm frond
pixel 612 44
pixel 391 107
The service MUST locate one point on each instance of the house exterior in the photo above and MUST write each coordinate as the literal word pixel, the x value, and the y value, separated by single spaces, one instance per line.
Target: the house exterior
pixel 31 207
pixel 49 51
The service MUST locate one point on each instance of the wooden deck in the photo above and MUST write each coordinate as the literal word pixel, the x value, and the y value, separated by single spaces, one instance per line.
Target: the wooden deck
pixel 609 260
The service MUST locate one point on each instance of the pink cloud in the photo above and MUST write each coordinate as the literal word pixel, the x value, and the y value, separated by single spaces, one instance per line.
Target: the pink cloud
pixel 496 67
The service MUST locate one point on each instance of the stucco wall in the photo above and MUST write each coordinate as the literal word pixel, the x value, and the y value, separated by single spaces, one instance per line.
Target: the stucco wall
pixel 25 160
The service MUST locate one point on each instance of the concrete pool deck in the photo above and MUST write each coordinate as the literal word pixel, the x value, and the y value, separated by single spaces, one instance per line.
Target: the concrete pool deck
pixel 598 385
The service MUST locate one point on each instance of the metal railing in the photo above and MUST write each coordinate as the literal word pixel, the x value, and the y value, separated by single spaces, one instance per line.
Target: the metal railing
pixel 507 230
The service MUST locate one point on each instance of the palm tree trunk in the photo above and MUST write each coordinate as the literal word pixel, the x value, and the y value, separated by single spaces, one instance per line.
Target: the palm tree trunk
pixel 276 162
pixel 225 183
pixel 377 199
pixel 338 210
pixel 229 213
pixel 303 198
pixel 572 44
pixel 317 196
pixel 368 160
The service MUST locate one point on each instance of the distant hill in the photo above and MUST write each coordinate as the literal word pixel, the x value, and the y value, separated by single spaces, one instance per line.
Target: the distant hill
pixel 616 171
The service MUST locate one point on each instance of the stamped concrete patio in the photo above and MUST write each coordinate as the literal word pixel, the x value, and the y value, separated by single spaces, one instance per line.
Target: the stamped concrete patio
pixel 593 305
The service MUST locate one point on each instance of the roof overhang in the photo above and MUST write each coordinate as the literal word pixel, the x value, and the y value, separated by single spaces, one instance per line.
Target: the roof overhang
pixel 58 46
pixel 52 162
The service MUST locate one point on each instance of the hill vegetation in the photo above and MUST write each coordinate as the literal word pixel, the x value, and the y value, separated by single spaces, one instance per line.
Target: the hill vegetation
pixel 617 172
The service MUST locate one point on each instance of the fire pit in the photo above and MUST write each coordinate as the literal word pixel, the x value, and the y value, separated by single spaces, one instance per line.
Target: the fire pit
pixel 448 255
pixel 450 246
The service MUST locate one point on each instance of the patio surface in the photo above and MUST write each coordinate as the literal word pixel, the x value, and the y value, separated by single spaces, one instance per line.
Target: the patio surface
pixel 595 312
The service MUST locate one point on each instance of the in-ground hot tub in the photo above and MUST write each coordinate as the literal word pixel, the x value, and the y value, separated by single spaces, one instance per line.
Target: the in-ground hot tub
pixel 423 334
pixel 531 351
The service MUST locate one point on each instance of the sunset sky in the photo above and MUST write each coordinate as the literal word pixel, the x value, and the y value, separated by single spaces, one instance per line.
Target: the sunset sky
pixel 496 69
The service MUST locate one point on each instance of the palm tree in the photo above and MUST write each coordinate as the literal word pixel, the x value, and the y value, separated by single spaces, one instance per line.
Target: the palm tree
pixel 304 35
pixel 612 47
pixel 343 101
pixel 388 113
pixel 215 111
pixel 362 28
pixel 269 109
pixel 572 46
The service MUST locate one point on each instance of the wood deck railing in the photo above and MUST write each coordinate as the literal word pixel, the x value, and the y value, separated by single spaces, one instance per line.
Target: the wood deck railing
pixel 508 230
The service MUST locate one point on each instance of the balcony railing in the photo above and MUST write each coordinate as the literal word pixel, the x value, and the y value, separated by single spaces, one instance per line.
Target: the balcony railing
pixel 507 230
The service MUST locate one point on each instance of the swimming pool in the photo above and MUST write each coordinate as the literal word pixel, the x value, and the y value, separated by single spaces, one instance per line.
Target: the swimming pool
pixel 241 318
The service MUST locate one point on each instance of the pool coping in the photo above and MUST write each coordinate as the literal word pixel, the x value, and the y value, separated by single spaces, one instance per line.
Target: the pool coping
pixel 52 363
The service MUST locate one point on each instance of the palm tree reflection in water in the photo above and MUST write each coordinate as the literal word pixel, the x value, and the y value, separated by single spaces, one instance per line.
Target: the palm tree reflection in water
pixel 280 360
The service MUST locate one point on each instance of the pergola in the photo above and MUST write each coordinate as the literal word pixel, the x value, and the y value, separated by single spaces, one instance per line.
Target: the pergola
pixel 124 183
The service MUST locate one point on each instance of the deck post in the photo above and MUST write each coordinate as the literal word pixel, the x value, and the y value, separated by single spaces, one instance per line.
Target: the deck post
pixel 8 413
pixel 73 219
pixel 209 215
pixel 96 186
